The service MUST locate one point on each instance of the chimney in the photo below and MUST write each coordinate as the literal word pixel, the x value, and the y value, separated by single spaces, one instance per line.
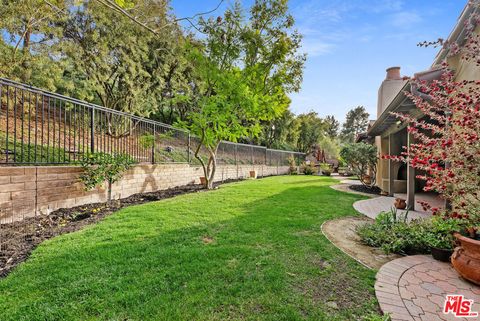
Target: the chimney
pixel 393 73
pixel 390 87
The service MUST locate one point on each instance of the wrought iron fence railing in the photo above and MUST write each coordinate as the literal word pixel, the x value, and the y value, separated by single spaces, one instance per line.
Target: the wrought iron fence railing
pixel 38 127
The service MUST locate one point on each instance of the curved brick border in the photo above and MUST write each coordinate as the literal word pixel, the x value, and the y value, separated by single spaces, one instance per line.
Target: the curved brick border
pixel 413 288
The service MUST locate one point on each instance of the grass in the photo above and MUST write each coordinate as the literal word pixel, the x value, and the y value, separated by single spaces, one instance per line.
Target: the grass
pixel 31 153
pixel 251 250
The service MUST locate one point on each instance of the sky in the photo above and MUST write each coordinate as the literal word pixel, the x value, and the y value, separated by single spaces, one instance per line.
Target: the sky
pixel 350 43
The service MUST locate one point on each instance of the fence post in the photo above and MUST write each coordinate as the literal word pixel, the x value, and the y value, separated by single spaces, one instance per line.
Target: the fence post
pixel 153 144
pixel 236 158
pixel 188 149
pixel 251 156
pixel 92 130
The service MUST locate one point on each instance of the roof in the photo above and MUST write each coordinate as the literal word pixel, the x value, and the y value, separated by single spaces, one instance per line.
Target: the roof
pixel 401 103
pixel 458 33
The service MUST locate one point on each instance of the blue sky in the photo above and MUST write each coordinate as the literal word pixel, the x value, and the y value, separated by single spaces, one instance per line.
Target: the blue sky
pixel 350 43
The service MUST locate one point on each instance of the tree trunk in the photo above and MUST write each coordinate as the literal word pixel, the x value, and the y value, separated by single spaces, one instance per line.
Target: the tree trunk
pixel 109 197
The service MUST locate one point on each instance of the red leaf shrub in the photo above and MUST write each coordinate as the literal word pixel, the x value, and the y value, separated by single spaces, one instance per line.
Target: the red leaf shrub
pixel 447 142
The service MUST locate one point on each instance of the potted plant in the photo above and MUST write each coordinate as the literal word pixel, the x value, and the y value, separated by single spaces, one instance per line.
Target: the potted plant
pixel 466 256
pixel 400 203
pixel 441 246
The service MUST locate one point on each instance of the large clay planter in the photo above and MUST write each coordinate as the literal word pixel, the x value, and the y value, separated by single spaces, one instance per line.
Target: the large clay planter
pixel 400 203
pixel 367 179
pixel 203 180
pixel 466 258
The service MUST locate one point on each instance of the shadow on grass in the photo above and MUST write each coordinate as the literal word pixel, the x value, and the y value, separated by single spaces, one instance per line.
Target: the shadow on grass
pixel 198 257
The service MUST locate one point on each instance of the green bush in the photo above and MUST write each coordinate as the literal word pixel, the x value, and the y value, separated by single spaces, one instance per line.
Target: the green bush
pixel 99 168
pixel 326 169
pixel 394 234
pixel 292 166
pixel 308 169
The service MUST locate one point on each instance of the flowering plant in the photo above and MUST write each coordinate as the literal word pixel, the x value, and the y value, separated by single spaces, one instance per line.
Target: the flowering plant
pixel 446 148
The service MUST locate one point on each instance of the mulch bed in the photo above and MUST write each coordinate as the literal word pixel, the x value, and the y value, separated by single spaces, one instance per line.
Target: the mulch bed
pixel 364 189
pixel 23 236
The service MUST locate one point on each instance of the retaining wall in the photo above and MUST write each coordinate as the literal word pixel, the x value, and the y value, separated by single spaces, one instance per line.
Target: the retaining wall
pixel 25 191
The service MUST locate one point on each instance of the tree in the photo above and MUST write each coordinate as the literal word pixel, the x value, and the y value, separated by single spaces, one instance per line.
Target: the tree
pixel 246 70
pixel 28 40
pixel 332 126
pixel 99 168
pixel 355 123
pixel 120 61
pixel 447 140
pixel 311 130
pixel 362 158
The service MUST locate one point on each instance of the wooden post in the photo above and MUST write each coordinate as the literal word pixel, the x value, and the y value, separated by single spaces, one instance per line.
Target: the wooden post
pixel 391 177
pixel 410 179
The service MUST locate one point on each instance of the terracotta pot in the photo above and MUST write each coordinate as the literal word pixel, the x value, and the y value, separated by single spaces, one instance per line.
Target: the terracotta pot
pixel 367 179
pixel 203 180
pixel 400 204
pixel 253 174
pixel 466 258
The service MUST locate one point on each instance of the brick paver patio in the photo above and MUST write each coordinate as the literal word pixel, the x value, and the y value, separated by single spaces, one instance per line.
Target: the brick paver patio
pixel 413 288
pixel 375 206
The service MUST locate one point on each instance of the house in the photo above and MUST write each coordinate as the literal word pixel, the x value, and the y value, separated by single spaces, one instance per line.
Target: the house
pixel 389 134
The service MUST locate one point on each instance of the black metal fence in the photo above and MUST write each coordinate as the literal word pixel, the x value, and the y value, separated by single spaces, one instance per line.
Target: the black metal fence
pixel 38 127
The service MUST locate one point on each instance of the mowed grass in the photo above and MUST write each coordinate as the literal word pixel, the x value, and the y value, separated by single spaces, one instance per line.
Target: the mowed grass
pixel 250 250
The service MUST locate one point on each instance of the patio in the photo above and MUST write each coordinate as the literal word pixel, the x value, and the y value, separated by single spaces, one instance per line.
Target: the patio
pixel 414 288
pixel 372 207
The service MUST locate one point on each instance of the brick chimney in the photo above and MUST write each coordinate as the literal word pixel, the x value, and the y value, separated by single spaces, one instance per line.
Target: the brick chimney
pixel 393 73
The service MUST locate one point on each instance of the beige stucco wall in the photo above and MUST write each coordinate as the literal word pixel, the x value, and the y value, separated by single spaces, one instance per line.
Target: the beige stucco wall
pixel 465 70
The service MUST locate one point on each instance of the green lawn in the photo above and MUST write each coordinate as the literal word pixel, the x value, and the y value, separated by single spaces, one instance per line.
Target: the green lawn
pixel 247 251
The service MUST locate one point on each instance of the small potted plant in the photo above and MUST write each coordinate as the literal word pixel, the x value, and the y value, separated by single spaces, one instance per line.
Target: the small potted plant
pixel 400 203
pixel 441 247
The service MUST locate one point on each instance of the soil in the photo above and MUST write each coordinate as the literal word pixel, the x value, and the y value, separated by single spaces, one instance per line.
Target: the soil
pixel 342 233
pixel 23 236
pixel 364 189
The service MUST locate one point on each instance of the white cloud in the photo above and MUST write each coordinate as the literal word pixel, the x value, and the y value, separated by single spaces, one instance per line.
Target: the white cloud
pixel 405 19
pixel 314 47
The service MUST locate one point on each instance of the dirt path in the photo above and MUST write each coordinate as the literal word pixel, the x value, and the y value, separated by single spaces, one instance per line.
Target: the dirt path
pixel 341 232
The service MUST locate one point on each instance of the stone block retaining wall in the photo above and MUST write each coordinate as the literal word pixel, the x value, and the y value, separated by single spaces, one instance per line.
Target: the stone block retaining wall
pixel 25 191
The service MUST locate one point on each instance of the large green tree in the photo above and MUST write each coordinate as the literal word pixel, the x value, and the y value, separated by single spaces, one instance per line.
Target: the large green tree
pixel 29 38
pixel 246 67
pixel 311 130
pixel 332 126
pixel 356 122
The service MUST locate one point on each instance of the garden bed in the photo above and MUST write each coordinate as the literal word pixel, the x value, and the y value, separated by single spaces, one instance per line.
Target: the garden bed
pixel 364 189
pixel 24 236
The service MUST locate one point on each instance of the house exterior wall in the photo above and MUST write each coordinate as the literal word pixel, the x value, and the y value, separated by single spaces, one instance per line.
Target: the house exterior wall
pixel 25 191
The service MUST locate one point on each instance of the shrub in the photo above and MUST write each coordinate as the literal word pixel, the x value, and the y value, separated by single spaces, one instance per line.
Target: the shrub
pixel 99 168
pixel 292 169
pixel 362 159
pixel 308 169
pixel 326 169
pixel 394 234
